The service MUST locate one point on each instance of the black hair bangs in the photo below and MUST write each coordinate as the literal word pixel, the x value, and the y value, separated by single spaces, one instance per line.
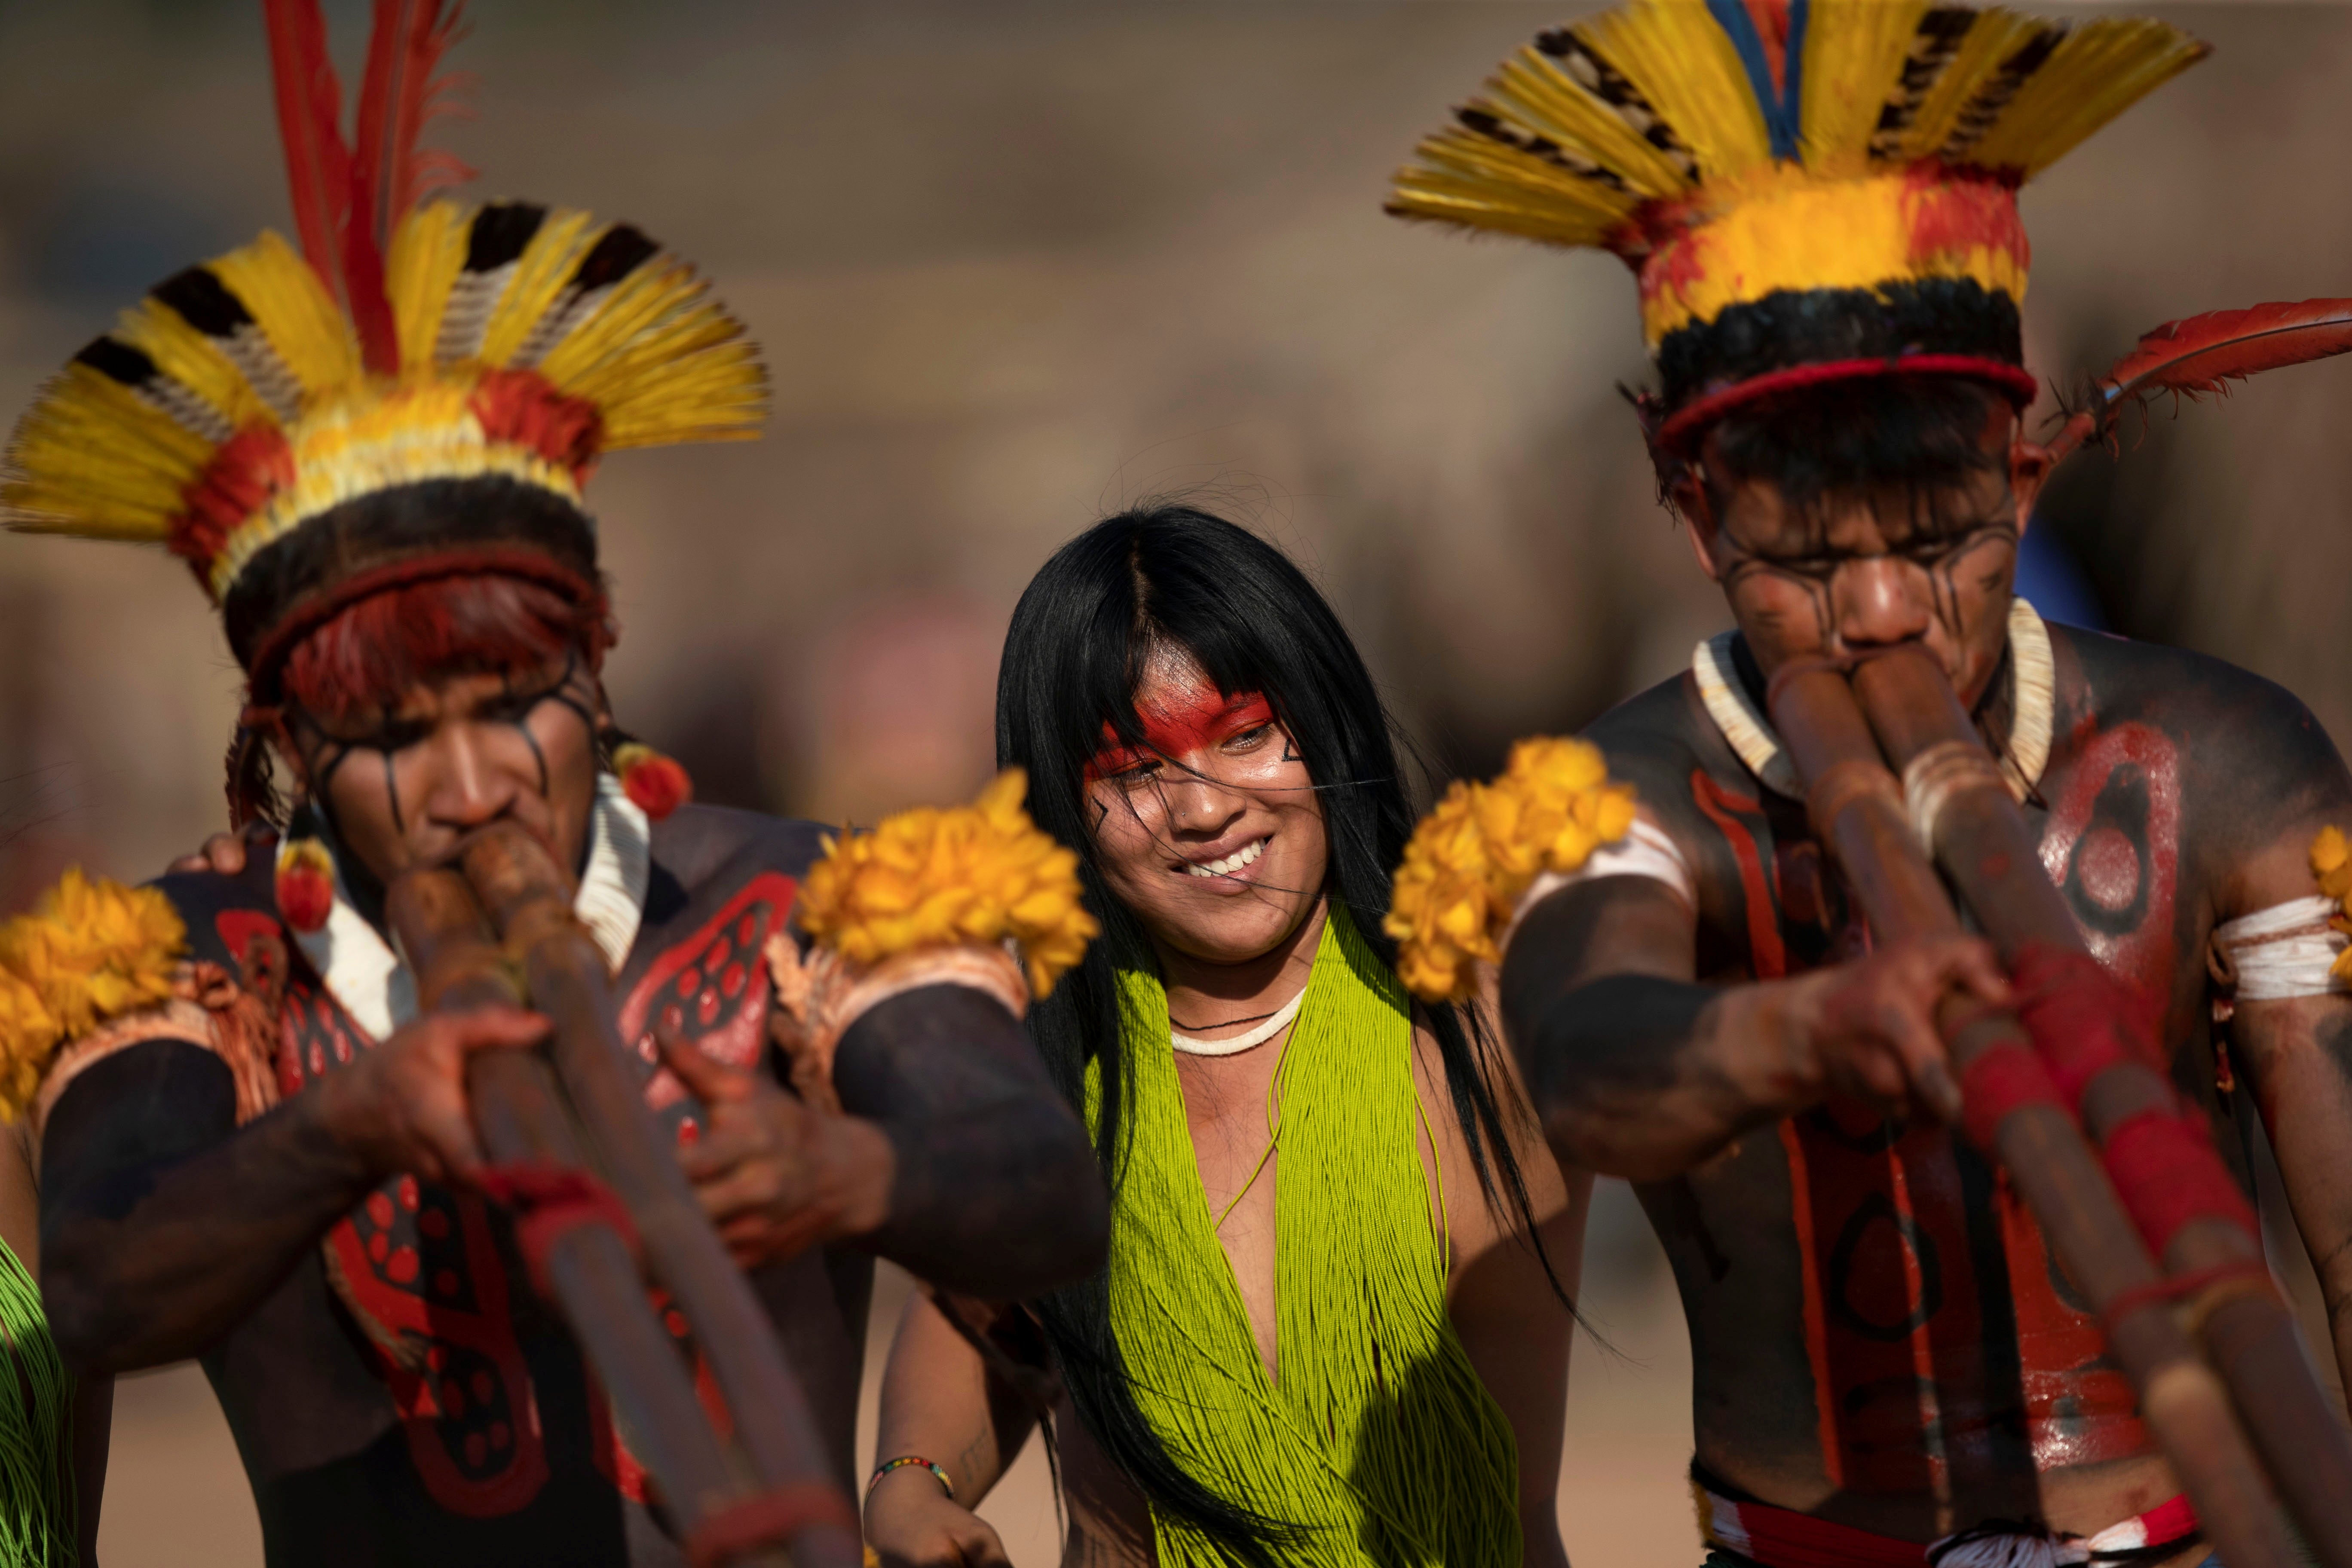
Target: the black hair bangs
pixel 1920 437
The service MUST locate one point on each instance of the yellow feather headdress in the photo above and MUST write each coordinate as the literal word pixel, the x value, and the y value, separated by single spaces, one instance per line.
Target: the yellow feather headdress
pixel 1803 189
pixel 245 399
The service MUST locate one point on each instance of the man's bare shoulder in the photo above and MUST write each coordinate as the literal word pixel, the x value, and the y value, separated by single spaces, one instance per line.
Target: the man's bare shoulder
pixel 1657 736
pixel 2115 674
pixel 2246 743
pixel 1660 741
pixel 697 843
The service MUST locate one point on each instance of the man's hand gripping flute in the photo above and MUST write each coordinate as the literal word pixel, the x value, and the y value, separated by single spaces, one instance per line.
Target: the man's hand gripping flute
pixel 558 1127
pixel 2163 1247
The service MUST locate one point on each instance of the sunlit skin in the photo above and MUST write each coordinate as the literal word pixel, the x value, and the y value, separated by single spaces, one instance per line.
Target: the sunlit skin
pixel 1233 946
pixel 1222 773
pixel 1238 943
pixel 404 787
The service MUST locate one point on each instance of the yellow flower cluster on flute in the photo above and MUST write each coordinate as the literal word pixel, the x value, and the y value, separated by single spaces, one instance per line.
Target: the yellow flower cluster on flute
pixel 93 951
pixel 1471 858
pixel 930 877
pixel 2331 862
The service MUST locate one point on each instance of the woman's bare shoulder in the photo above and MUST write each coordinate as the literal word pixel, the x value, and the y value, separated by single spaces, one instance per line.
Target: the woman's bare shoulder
pixel 1476 1220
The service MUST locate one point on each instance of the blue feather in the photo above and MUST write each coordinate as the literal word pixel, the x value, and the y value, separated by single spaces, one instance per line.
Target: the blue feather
pixel 1782 111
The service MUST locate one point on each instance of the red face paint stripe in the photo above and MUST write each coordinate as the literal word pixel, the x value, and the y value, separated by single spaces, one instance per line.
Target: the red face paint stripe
pixel 1176 731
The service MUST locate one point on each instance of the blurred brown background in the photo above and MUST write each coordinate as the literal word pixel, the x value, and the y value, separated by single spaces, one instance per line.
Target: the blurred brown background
pixel 1017 265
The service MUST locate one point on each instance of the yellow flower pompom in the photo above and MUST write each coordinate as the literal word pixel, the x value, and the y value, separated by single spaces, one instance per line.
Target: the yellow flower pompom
pixel 978 873
pixel 92 951
pixel 2331 862
pixel 1471 858
pixel 1438 904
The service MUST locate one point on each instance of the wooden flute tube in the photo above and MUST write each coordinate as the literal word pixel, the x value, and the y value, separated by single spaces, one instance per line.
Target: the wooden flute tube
pixel 1857 809
pixel 520 1116
pixel 530 901
pixel 1956 796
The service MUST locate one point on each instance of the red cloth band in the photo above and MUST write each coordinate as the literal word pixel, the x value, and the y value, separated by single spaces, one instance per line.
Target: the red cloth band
pixel 2003 1078
pixel 772 1519
pixel 549 1202
pixel 2168 1173
pixel 2162 1161
pixel 2083 1019
pixel 1680 427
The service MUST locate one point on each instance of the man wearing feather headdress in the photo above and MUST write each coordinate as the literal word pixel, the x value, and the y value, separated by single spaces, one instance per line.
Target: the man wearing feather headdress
pixel 1819 200
pixel 253 1149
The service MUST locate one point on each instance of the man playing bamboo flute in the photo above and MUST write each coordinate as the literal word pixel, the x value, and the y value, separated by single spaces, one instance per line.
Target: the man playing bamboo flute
pixel 1820 203
pixel 254 1149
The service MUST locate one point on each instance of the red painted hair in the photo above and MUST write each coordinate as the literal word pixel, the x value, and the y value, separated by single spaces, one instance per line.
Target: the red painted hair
pixel 375 650
pixel 387 643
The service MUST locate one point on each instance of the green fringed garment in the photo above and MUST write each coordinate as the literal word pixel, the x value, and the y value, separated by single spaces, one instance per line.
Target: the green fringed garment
pixel 1379 1442
pixel 38 1516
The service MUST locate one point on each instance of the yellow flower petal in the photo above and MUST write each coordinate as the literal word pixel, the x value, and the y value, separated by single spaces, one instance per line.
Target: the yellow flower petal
pixel 974 874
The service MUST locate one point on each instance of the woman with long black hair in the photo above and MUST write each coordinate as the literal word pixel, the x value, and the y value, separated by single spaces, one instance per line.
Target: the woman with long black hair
pixel 1334 1326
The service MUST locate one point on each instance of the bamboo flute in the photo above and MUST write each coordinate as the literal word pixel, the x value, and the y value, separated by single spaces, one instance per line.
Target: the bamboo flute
pixel 717 1495
pixel 530 900
pixel 1961 808
pixel 1857 810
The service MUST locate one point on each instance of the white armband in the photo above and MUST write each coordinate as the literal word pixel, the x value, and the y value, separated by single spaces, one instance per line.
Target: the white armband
pixel 1644 851
pixel 2287 950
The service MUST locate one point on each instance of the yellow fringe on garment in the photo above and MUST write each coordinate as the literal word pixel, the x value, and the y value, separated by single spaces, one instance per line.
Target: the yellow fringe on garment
pixel 930 877
pixel 92 951
pixel 1471 859
pixel 2331 862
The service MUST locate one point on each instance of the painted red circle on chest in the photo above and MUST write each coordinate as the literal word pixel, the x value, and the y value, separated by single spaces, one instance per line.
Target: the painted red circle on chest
pixel 2108 867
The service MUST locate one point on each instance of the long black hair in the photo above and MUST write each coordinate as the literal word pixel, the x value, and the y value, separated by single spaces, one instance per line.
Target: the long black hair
pixel 1171 576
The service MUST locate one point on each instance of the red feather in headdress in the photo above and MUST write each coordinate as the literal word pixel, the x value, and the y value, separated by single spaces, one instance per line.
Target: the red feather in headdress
pixel 348 200
pixel 309 116
pixel 2205 353
pixel 400 95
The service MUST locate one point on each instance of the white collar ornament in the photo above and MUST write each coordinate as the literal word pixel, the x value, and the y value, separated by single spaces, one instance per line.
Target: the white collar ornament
pixel 1273 1025
pixel 366 975
pixel 2034 678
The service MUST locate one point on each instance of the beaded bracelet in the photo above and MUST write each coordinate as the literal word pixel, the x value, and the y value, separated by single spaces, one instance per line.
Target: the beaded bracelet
pixel 904 1461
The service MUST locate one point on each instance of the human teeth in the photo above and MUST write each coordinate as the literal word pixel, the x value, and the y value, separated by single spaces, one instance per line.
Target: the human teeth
pixel 1231 863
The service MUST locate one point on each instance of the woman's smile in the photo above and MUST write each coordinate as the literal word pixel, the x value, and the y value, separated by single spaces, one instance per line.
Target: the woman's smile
pixel 1227 867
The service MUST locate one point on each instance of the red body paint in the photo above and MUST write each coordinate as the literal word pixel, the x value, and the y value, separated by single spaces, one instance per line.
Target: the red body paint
pixel 420 1270
pixel 1911 1376
pixel 2113 844
pixel 1766 955
pixel 1194 716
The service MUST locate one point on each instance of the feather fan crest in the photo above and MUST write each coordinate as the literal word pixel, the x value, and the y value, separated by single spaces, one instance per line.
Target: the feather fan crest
pixel 212 408
pixel 1650 102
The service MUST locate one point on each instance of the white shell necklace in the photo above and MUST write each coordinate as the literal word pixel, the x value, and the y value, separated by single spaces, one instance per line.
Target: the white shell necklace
pixel 1272 1025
